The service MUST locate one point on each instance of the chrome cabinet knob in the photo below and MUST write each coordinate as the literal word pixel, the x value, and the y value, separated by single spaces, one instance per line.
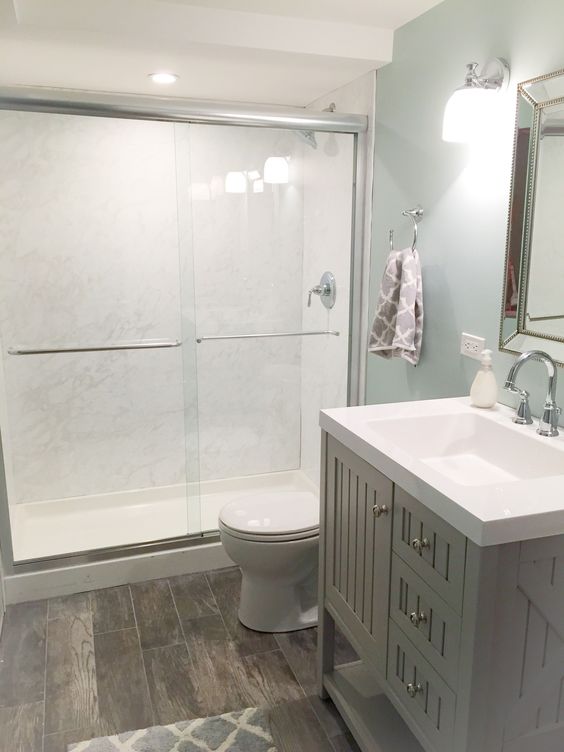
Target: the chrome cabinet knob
pixel 380 510
pixel 418 618
pixel 414 689
pixel 419 544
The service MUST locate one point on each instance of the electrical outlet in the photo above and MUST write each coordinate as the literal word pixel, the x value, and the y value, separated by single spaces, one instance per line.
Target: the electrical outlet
pixel 472 346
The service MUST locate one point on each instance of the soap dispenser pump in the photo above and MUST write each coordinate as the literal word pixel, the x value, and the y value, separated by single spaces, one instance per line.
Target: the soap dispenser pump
pixel 483 392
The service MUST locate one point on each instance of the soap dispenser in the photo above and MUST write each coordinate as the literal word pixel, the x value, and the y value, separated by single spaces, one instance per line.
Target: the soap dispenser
pixel 483 392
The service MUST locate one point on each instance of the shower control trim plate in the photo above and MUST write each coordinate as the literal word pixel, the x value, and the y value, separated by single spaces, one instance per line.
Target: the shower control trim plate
pixel 326 289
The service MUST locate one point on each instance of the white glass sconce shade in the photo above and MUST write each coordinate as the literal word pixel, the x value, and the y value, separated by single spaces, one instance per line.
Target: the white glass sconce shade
pixel 470 110
pixel 468 113
pixel 276 170
pixel 235 182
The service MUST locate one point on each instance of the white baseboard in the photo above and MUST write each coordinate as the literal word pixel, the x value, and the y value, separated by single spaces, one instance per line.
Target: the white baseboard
pixel 51 583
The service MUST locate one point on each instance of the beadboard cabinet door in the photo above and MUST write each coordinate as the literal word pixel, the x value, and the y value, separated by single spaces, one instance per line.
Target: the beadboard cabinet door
pixel 358 547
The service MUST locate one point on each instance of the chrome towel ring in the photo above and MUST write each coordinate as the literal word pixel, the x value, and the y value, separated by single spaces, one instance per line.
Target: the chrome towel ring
pixel 416 215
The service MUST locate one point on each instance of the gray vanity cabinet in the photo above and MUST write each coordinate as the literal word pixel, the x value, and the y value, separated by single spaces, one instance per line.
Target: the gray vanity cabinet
pixel 461 647
pixel 359 542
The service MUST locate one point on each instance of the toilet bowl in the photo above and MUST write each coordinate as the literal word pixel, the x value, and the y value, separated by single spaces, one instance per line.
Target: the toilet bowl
pixel 274 538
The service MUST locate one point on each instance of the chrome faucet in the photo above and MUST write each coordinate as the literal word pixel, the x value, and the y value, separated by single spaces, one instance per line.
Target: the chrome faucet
pixel 548 425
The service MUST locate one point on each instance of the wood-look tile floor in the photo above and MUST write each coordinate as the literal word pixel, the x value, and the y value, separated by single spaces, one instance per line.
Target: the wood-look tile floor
pixel 156 652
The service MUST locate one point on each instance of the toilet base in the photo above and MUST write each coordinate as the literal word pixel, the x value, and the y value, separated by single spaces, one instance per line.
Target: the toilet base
pixel 280 609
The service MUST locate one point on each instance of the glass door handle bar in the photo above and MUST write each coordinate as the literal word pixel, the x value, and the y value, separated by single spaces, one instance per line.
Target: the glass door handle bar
pixel 149 344
pixel 266 334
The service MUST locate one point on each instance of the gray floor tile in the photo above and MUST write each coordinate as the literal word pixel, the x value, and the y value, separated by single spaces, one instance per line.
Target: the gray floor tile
pixel 300 650
pixel 100 681
pixel 59 742
pixel 296 729
pixel 123 695
pixel 71 696
pixel 22 654
pixel 172 686
pixel 21 728
pixel 219 670
pixel 193 596
pixel 76 606
pixel 226 587
pixel 271 680
pixel 155 612
pixel 112 609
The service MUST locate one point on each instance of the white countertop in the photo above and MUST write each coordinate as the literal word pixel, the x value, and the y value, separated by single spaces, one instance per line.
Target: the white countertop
pixel 511 489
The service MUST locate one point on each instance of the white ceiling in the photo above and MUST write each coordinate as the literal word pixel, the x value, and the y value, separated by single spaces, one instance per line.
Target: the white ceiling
pixel 384 13
pixel 286 52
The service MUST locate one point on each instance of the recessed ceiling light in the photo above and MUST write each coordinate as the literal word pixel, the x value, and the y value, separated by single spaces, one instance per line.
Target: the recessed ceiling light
pixel 163 78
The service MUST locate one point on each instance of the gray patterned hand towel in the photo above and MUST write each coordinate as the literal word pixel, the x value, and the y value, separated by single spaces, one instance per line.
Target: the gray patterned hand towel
pixel 397 329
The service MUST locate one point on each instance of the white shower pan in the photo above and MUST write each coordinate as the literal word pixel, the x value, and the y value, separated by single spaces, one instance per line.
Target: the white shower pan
pixel 44 529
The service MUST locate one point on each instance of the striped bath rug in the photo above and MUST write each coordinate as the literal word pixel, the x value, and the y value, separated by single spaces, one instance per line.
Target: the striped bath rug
pixel 243 731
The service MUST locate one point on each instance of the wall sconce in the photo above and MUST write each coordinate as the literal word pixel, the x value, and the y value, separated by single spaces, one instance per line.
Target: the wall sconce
pixel 276 170
pixel 469 110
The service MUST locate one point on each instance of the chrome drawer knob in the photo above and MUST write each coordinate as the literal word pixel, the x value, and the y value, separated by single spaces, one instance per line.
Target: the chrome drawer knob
pixel 380 510
pixel 419 544
pixel 418 618
pixel 414 689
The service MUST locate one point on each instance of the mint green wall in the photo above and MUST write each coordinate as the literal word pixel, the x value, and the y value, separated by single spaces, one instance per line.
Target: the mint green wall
pixel 464 194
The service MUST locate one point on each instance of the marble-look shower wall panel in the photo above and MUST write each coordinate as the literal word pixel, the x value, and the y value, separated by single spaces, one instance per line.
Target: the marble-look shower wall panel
pixel 249 416
pixel 88 229
pixel 328 181
pixel 89 255
pixel 95 423
pixel 248 251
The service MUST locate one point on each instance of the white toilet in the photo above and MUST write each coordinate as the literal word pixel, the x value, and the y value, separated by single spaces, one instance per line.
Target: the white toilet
pixel 274 537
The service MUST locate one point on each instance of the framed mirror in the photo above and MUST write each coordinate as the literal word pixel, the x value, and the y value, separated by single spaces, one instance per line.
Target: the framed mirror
pixel 532 315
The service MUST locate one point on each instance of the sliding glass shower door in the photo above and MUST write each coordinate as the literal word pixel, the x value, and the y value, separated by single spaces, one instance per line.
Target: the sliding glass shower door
pixel 94 357
pixel 159 355
pixel 271 212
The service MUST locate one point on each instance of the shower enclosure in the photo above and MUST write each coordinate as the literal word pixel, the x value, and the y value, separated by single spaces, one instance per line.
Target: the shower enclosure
pixel 158 353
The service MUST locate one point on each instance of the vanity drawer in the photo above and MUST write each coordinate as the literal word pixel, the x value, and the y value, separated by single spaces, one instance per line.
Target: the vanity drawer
pixel 430 546
pixel 421 691
pixel 432 626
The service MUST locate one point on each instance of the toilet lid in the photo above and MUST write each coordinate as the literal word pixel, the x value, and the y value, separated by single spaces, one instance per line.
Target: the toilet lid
pixel 272 513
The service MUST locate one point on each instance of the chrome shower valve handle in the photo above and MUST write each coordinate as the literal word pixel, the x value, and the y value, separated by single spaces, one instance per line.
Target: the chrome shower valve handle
pixel 326 289
pixel 317 290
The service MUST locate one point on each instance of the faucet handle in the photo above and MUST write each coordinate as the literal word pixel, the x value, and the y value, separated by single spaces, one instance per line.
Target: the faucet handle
pixel 523 414
pixel 548 425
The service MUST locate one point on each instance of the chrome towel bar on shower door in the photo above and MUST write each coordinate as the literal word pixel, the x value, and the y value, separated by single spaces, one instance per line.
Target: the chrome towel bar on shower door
pixel 149 344
pixel 273 334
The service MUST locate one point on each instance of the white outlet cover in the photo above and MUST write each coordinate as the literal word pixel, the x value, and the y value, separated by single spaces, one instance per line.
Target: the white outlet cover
pixel 471 346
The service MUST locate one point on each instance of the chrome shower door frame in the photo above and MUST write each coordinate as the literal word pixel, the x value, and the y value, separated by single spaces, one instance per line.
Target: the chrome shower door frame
pixel 176 110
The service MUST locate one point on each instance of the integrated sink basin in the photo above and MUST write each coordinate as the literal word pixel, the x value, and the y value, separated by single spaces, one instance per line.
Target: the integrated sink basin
pixel 492 479
pixel 470 449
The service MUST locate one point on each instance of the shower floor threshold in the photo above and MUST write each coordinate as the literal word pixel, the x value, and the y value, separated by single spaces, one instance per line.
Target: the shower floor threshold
pixel 57 527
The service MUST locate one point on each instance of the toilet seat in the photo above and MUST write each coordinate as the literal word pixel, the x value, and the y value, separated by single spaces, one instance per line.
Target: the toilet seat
pixel 273 516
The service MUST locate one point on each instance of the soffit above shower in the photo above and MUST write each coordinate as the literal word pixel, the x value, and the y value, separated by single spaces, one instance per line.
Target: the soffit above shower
pixel 264 51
